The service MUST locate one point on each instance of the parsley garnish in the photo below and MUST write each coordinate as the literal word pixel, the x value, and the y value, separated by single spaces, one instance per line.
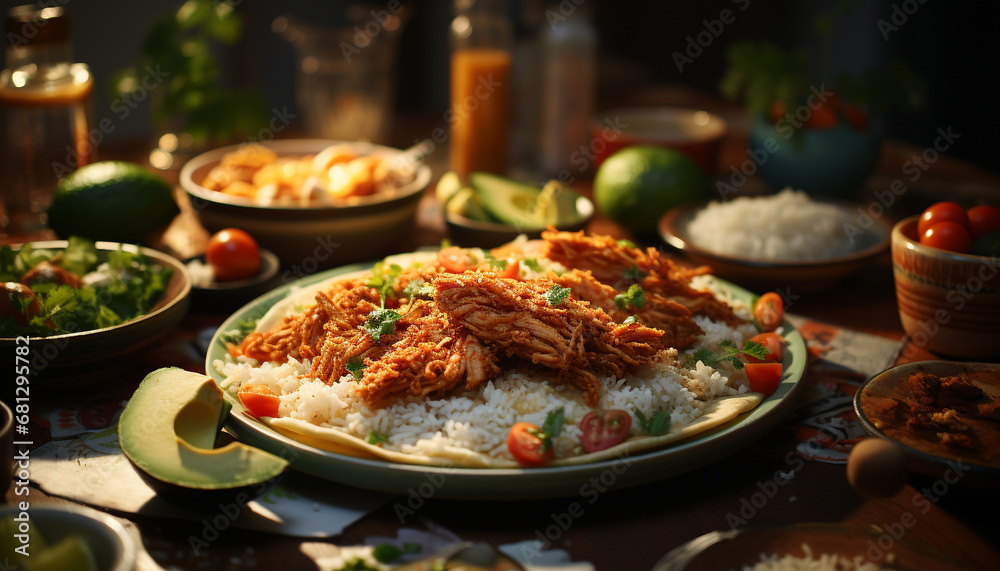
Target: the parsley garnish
pixel 356 367
pixel 383 278
pixel 556 295
pixel 418 288
pixel 634 297
pixel 495 263
pixel 728 351
pixel 634 274
pixel 533 264
pixel 656 425
pixel 381 322
pixel 387 552
pixel 550 429
pixel 375 437
pixel 243 328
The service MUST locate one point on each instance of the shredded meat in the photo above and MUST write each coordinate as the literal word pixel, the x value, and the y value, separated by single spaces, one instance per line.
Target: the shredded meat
pixel 616 265
pixel 574 338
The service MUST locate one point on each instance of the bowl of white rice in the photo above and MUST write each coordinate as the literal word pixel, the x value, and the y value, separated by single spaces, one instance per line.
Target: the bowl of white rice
pixel 783 240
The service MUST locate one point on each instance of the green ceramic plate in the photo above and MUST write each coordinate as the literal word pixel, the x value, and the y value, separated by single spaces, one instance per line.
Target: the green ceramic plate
pixel 508 484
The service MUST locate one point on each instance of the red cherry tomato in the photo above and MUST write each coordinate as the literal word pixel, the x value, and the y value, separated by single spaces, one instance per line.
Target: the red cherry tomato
pixel 525 445
pixel 604 429
pixel 233 255
pixel 455 260
pixel 942 212
pixel 259 400
pixel 824 115
pixel 983 219
pixel 769 311
pixel 856 117
pixel 773 343
pixel 948 236
pixel 764 377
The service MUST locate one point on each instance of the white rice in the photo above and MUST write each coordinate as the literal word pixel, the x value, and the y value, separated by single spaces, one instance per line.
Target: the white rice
pixel 480 420
pixel 810 562
pixel 787 226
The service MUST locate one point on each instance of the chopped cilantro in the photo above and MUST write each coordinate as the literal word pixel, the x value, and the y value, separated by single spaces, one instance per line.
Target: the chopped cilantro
pixel 375 437
pixel 495 263
pixel 634 297
pixel 655 425
pixel 418 288
pixel 533 265
pixel 235 336
pixel 634 274
pixel 386 553
pixel 383 280
pixel 556 295
pixel 381 322
pixel 356 367
pixel 728 351
pixel 551 429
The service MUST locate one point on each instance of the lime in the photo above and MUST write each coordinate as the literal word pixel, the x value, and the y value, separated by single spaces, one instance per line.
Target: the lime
pixel 112 200
pixel 636 185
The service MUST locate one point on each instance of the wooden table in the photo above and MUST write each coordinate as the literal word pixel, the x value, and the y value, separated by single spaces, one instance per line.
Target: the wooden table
pixel 632 528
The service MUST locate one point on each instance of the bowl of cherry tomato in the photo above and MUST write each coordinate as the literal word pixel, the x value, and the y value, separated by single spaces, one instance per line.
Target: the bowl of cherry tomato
pixel 946 266
pixel 232 271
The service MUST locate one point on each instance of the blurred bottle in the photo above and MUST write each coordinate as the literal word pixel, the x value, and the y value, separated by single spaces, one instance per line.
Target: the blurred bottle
pixel 46 110
pixel 479 115
pixel 569 78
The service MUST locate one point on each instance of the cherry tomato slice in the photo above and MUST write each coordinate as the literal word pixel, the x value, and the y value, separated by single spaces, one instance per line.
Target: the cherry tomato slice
pixel 525 445
pixel 233 255
pixel 764 377
pixel 603 429
pixel 948 236
pixel 455 260
pixel 774 345
pixel 769 311
pixel 259 400
pixel 983 219
pixel 942 212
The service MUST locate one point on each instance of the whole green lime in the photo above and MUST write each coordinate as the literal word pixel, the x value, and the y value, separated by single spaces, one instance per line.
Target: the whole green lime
pixel 636 185
pixel 115 201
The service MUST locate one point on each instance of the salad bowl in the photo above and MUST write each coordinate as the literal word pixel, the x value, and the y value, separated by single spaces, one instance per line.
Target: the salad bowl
pixel 88 356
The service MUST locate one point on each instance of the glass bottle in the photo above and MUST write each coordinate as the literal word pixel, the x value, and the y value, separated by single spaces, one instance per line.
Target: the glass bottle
pixel 46 109
pixel 479 115
pixel 569 78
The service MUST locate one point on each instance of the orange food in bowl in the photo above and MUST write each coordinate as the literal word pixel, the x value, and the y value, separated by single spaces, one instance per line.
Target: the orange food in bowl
pixel 949 303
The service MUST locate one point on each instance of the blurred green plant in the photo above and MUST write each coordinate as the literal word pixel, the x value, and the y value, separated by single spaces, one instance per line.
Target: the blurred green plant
pixel 192 98
pixel 761 73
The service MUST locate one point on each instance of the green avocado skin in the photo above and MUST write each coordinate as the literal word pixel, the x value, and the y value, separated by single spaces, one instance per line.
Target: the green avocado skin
pixel 168 431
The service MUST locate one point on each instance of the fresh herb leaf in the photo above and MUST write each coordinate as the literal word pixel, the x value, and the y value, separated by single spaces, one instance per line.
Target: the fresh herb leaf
pixel 386 553
pixel 728 351
pixel 556 295
pixel 533 265
pixel 655 425
pixel 495 263
pixel 381 322
pixel 358 564
pixel 375 438
pixel 634 297
pixel 623 243
pixel 634 274
pixel 551 428
pixel 235 336
pixel 410 548
pixel 418 288
pixel 383 279
pixel 356 367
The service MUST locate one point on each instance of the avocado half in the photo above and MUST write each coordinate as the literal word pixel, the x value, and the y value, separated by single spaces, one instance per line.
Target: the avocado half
pixel 168 430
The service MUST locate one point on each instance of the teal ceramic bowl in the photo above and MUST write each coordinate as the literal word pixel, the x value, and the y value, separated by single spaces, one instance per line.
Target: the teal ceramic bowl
pixel 829 162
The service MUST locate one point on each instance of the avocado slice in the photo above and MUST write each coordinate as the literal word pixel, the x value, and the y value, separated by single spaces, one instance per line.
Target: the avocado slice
pixel 168 430
pixel 509 202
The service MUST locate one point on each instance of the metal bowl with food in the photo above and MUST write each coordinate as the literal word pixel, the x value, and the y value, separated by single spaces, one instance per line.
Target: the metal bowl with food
pixel 71 338
pixel 315 203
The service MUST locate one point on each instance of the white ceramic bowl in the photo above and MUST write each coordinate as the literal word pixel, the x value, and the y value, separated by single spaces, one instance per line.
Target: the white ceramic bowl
pixel 307 238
